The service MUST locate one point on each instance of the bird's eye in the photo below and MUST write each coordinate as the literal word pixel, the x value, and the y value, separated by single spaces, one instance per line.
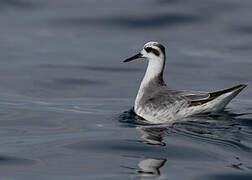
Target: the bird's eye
pixel 154 51
pixel 148 49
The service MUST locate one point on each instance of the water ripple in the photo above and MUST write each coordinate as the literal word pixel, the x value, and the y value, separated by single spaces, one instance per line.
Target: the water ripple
pixel 15 161
pixel 150 21
pixel 73 67
pixel 20 4
pixel 223 130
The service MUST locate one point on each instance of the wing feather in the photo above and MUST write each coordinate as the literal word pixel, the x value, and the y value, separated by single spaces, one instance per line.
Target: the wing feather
pixel 165 96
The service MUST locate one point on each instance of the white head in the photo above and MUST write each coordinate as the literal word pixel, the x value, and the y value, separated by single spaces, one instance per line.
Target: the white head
pixel 155 54
pixel 152 51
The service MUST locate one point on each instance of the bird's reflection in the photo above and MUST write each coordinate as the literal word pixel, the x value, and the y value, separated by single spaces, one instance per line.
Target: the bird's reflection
pixel 153 134
pixel 224 127
pixel 148 167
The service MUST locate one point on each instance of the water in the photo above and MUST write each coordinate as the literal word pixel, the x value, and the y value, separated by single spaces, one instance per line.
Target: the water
pixel 66 96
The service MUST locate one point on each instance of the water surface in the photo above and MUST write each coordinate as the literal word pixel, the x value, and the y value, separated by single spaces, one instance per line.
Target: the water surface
pixel 66 96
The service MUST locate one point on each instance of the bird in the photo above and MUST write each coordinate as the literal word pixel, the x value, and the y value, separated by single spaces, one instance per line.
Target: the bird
pixel 157 103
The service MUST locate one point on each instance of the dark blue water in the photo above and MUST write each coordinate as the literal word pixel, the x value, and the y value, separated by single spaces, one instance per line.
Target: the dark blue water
pixel 65 95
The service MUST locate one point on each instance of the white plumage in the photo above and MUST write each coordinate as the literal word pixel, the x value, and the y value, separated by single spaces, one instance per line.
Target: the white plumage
pixel 157 103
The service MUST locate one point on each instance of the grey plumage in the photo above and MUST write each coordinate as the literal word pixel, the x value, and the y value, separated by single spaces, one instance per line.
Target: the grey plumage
pixel 157 103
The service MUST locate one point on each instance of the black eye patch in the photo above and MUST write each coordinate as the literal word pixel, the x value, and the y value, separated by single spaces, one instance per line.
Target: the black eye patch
pixel 154 51
pixel 148 49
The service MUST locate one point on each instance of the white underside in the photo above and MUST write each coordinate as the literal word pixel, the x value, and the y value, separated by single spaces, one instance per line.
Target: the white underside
pixel 180 109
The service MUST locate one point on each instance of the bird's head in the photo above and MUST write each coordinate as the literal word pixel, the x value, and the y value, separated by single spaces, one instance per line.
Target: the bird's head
pixel 152 51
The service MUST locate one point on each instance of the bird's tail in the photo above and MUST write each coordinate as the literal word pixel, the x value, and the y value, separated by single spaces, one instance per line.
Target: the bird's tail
pixel 226 95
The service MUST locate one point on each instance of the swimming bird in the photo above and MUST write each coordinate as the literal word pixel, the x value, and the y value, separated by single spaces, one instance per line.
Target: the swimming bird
pixel 157 103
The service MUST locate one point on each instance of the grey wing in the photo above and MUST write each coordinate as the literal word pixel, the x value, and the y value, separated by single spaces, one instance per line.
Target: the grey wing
pixel 165 96
pixel 168 97
pixel 194 95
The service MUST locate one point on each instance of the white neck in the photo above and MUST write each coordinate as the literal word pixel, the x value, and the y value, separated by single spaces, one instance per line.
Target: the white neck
pixel 155 68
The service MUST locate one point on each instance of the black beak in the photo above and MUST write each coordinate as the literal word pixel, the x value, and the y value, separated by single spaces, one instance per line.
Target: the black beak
pixel 139 55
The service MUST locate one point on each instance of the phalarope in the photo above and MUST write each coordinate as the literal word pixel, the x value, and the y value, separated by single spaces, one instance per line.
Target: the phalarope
pixel 157 103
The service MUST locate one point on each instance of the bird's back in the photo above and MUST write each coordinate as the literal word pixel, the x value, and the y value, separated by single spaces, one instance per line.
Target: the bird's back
pixel 162 104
